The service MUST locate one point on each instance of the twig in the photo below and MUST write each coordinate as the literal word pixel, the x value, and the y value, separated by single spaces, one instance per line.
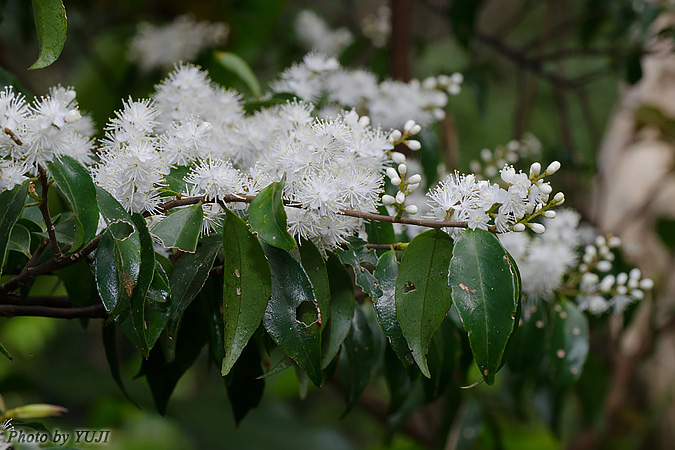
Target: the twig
pixel 44 209
pixel 401 26
pixel 92 312
pixel 34 257
pixel 60 301
pixel 13 136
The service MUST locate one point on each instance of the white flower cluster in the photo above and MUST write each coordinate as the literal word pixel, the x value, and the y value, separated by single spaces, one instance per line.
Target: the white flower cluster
pixel 599 293
pixel 34 134
pixel 529 147
pixel 160 47
pixel 465 198
pixel 544 259
pixel 377 26
pixel 317 36
pixel 389 104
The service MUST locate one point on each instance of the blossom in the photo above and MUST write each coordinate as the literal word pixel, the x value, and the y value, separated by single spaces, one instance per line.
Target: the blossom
pixel 317 36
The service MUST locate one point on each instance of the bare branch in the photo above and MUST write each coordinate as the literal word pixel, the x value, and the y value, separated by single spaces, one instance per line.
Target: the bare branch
pixel 91 312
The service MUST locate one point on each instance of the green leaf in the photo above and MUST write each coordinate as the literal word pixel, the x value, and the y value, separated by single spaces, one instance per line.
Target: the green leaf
pixel 186 282
pixel 268 218
pixel 568 345
pixel 357 255
pixel 315 266
pixel 236 65
pixel 422 292
pixel 485 288
pixel 11 205
pixel 163 375
pixel 80 283
pixel 19 240
pixel 110 348
pixel 244 385
pixel 175 179
pixel 380 232
pixel 342 310
pixel 51 25
pixel 157 305
pixel 76 185
pixel 5 352
pixel 181 228
pixel 357 359
pixel 133 323
pixel 283 364
pixel 292 316
pixel 386 273
pixel 65 230
pixel 247 286
pixel 110 208
pixel 280 98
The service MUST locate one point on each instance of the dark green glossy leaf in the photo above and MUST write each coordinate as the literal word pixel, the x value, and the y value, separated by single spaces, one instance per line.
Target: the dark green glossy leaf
pixel 358 256
pixel 181 228
pixel 386 273
pixel 80 283
pixel 212 296
pixel 529 340
pixel 315 266
pixel 422 292
pixel 235 64
pixel 76 185
pixel 268 218
pixel 357 359
pixel 65 230
pixel 292 316
pixel 380 232
pixel 19 240
pixel 246 287
pixel 51 26
pixel 110 208
pixel 157 305
pixel 163 375
pixel 186 282
pixel 175 179
pixel 110 348
pixel 282 365
pixel 430 154
pixel 30 225
pixel 342 310
pixel 5 352
pixel 11 205
pixel 485 286
pixel 244 385
pixel 568 345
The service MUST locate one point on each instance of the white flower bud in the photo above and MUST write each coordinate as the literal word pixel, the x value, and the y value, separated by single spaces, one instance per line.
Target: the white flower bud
pixel 408 125
pixel 647 284
pixel 411 209
pixel 415 178
pixel 413 144
pixel 633 283
pixel 429 83
pixel 621 290
pixel 486 154
pixel 388 200
pixel 402 169
pixel 400 198
pixel 637 294
pixel 535 169
pixel 457 78
pixel 621 278
pixel 474 166
pixel 529 208
pixel 607 283
pixel 634 274
pixel 614 242
pixel 549 214
pixel 587 258
pixel 391 173
pixel 364 121
pixel 415 129
pixel 413 187
pixel 454 89
pixel 559 198
pixel 604 265
pixel 553 167
pixel 600 241
pixel 545 188
pixel 398 157
pixel 537 227
pixel 519 227
pixel 583 267
pixel 395 136
pixel 396 181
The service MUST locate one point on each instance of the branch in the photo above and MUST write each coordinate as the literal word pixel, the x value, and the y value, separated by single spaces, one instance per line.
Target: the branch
pixel 44 209
pixel 56 301
pixel 91 312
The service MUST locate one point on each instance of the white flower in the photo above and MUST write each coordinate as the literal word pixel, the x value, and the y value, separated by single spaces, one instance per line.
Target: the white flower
pixel 215 178
pixel 315 34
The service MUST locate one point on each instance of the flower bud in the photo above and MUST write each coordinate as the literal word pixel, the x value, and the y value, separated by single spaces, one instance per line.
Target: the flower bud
pixel 637 294
pixel 415 129
pixel 545 188
pixel 646 284
pixel 413 144
pixel 600 241
pixel 607 283
pixel 535 169
pixel 537 227
pixel 549 214
pixel 604 265
pixel 553 167
pixel 486 154
pixel 397 157
pixel 614 242
pixel 408 125
pixel 388 200
pixel 400 198
pixel 519 227
pixel 396 181
pixel 411 209
pixel 634 274
pixel 621 290
pixel 364 121
pixel 559 198
pixel 395 136
pixel 402 169
pixel 391 173
pixel 457 78
pixel 415 178
pixel 621 278
pixel 413 187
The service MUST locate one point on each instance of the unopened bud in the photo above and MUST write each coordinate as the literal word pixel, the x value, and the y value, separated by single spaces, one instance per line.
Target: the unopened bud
pixel 408 125
pixel 549 214
pixel 413 187
pixel 559 198
pixel 397 157
pixel 395 136
pixel 519 227
pixel 402 169
pixel 391 172
pixel 535 168
pixel 388 199
pixel 545 188
pixel 411 209
pixel 553 167
pixel 537 227
pixel 415 129
pixel 646 284
pixel 415 178
pixel 396 181
pixel 413 144
pixel 400 198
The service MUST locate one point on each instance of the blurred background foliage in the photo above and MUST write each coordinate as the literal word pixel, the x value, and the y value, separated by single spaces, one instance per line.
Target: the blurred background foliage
pixel 555 68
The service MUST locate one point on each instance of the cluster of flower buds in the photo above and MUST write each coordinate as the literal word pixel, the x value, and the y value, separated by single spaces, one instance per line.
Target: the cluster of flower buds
pixel 538 187
pixel 602 292
pixel 405 187
pixel 452 84
pixel 409 129
pixel 529 147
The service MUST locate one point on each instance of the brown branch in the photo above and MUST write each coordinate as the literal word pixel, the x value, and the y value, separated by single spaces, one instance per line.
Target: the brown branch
pixel 399 43
pixel 13 136
pixel 34 257
pixel 44 209
pixel 59 301
pixel 92 312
